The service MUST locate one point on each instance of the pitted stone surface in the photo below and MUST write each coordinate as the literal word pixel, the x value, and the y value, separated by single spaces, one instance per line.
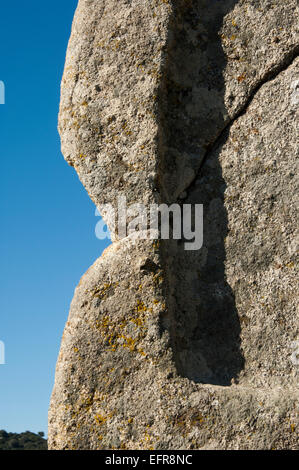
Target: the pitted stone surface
pixel 192 102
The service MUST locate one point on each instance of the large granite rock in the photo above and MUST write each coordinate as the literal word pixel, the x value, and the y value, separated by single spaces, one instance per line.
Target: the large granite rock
pixel 189 102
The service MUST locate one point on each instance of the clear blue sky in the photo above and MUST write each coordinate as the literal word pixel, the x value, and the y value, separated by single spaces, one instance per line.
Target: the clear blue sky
pixel 47 219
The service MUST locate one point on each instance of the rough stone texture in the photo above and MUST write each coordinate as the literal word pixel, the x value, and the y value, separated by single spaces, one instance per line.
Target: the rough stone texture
pixel 196 102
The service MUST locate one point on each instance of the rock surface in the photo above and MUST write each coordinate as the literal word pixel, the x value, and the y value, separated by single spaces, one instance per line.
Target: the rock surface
pixel 191 102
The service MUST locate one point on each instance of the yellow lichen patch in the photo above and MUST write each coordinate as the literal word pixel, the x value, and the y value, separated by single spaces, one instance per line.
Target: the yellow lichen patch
pixel 87 402
pixel 139 322
pixel 101 44
pixel 135 168
pixel 241 78
pixel 100 419
pixel 147 441
pixel 76 350
pixel 141 307
pixel 180 422
pixel 197 419
pixel 141 352
pixel 116 334
pixel 112 344
pixel 101 292
pixel 125 129
pixel 290 265
pixel 129 342
pixel 99 396
pixel 103 323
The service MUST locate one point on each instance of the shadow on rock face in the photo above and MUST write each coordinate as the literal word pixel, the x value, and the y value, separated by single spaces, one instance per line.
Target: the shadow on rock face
pixel 202 318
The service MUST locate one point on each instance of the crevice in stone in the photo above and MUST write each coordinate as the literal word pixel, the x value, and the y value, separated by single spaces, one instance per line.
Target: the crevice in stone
pixel 202 316
pixel 270 75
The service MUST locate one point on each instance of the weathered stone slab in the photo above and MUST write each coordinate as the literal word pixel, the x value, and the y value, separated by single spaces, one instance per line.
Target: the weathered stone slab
pixel 190 102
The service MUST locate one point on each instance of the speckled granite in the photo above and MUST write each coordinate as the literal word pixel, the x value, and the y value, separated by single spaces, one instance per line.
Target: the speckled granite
pixel 190 102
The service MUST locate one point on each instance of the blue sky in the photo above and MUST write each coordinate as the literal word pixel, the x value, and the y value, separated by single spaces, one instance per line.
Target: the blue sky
pixel 47 219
